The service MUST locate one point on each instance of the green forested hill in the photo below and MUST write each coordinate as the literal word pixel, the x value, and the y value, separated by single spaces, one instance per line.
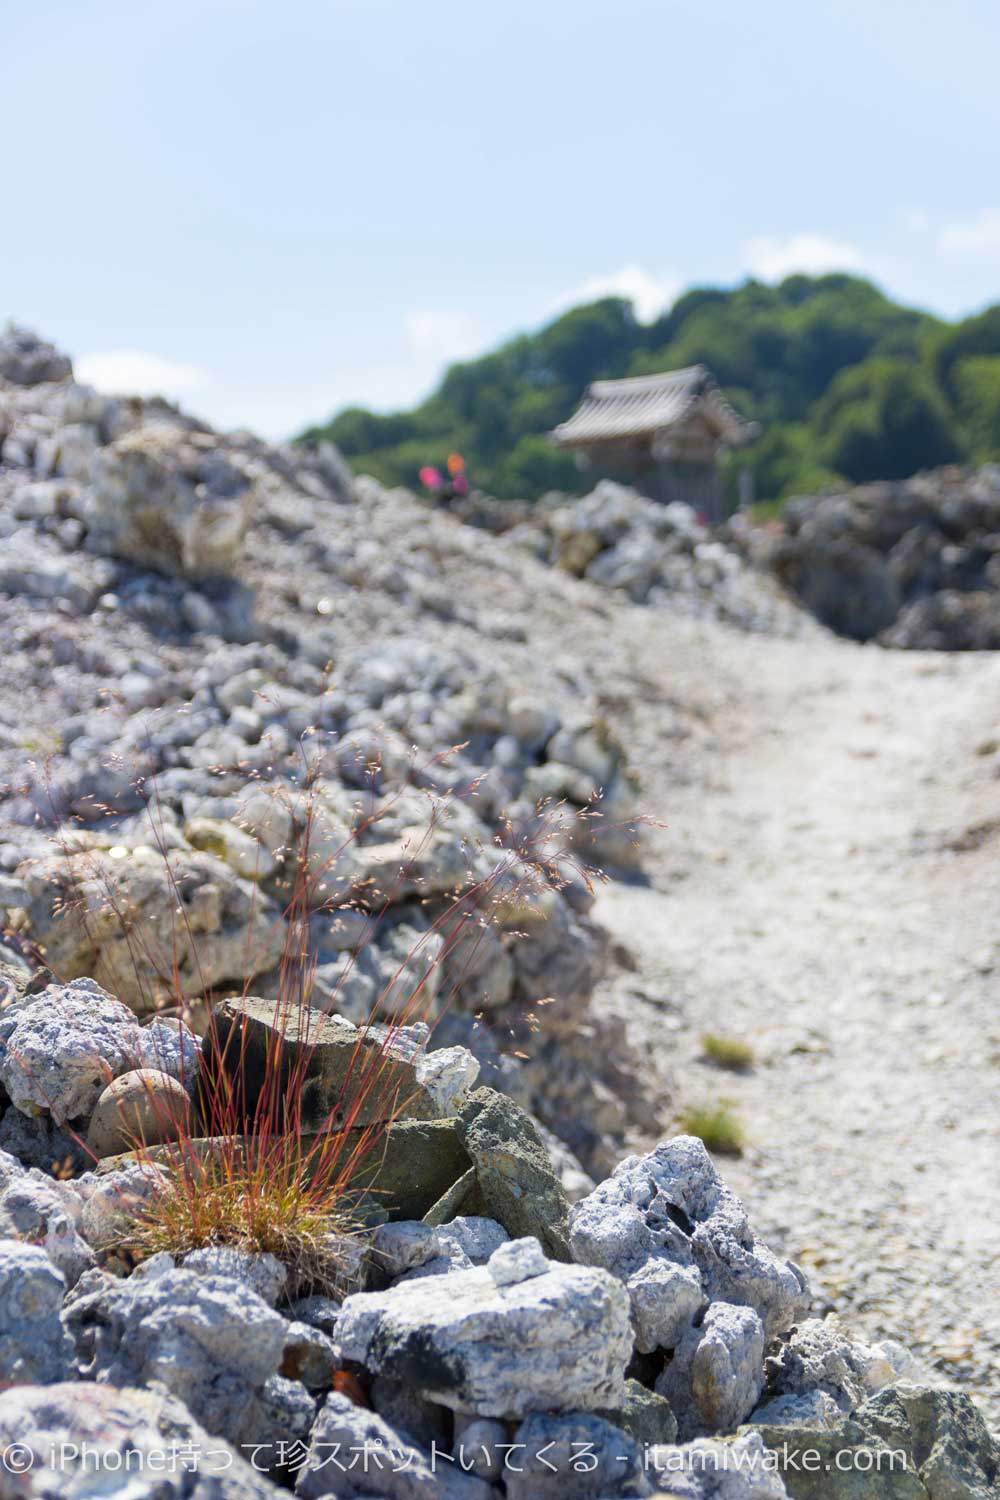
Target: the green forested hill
pixel 846 384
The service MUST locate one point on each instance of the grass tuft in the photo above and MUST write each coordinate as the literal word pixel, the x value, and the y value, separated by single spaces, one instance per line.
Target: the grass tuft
pixel 717 1127
pixel 248 1173
pixel 727 1052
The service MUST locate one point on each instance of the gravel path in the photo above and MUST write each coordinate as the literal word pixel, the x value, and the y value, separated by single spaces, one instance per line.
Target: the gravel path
pixel 827 889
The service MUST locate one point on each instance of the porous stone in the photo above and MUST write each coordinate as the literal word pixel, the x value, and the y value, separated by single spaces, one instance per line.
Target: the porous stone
pixel 143 1436
pixel 264 1274
pixel 44 1213
pixel 667 1225
pixel 207 1339
pixel 113 1200
pixel 716 1375
pixel 62 1047
pixel 171 501
pixel 559 1340
pixel 737 1468
pixel 819 1356
pixel 201 923
pixel 33 1345
pixel 355 1453
pixel 517 1260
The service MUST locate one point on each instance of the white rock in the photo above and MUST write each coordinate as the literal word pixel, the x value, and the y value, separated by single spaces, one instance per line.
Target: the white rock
pixel 517 1260
pixel 716 1375
pixel 33 1346
pixel 560 1340
pixel 64 1046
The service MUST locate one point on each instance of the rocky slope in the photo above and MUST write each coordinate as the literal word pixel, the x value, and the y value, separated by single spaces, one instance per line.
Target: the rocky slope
pixel 915 563
pixel 226 662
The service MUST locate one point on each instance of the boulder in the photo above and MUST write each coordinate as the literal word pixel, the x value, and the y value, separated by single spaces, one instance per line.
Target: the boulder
pixel 63 1046
pixel 667 1225
pixel 149 1436
pixel 208 1340
pixel 906 1442
pixel 171 500
pixel 644 1415
pixel 820 1357
pixel 355 1453
pixel 737 1468
pixel 557 1341
pixel 44 1213
pixel 264 1274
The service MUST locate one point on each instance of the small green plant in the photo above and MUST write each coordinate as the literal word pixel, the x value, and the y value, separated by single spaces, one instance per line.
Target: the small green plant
pixel 727 1052
pixel 717 1126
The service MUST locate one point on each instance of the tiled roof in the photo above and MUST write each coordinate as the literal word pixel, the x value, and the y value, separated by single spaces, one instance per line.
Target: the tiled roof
pixel 645 404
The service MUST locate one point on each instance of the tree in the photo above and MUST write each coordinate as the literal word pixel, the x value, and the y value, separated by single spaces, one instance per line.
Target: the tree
pixel 884 420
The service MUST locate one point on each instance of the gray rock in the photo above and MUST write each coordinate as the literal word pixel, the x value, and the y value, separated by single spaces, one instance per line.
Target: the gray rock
pixel 644 1415
pixel 112 1201
pixel 517 1260
pixel 170 500
pixel 814 1409
pixel 252 1037
pixel 716 1375
pixel 63 1047
pixel 26 359
pixel 284 1411
pixel 208 1340
pixel 560 1340
pixel 420 1421
pixel 355 1453
pixel 262 1273
pixel 737 1468
pixel 667 1225
pixel 480 1445
pixel 144 1433
pixel 33 1345
pixel 317 1312
pixel 472 1236
pixel 578 1456
pixel 403 1245
pixel 819 1356
pixel 516 1180
pixel 229 928
pixel 309 1356
pixel 44 1213
pixel 912 1442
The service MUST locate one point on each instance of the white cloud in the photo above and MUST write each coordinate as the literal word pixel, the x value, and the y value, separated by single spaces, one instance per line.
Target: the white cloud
pixel 134 372
pixel 649 294
pixel 979 236
pixel 443 333
pixel 772 258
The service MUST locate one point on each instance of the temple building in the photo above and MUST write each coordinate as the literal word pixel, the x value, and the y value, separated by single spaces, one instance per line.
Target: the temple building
pixel 665 432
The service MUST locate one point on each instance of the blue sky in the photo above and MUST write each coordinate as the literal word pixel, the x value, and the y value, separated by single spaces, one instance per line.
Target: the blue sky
pixel 270 210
